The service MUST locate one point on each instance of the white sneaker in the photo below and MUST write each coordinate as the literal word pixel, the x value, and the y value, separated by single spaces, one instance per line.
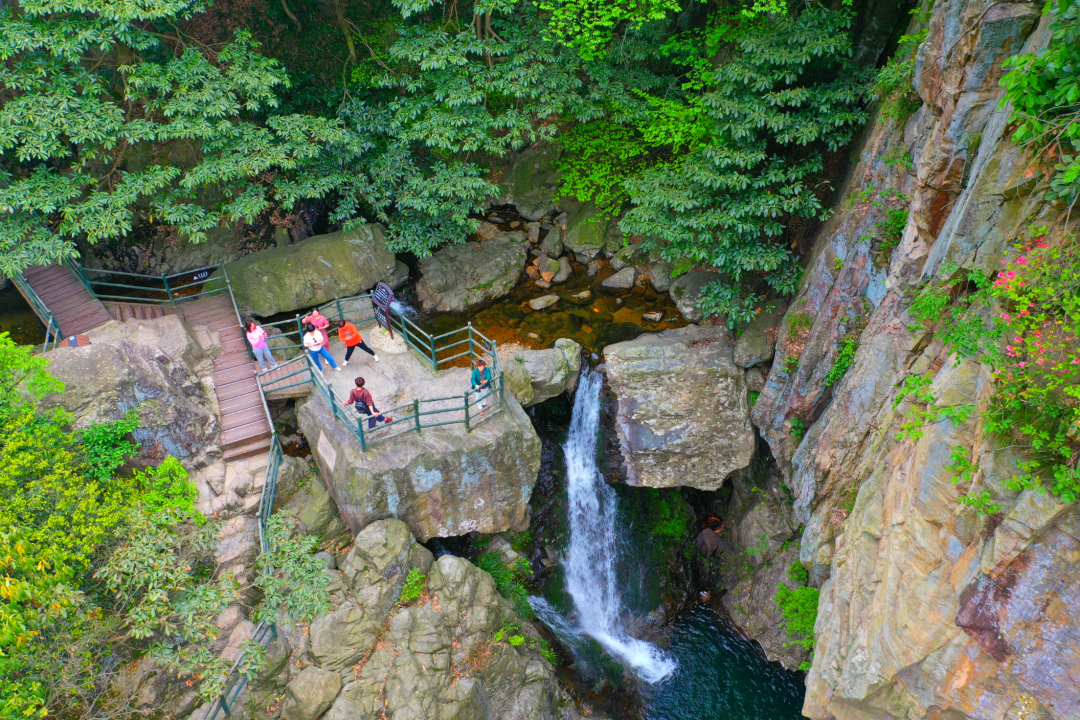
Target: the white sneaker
pixel 345 363
pixel 338 369
pixel 273 366
pixel 376 358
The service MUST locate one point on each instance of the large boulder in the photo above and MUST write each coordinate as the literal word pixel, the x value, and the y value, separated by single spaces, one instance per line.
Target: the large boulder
pixel 461 276
pixel 442 482
pixel 125 369
pixel 586 232
pixel 534 376
pixel 660 276
pixel 683 417
pixel 311 272
pixel 310 693
pixel 758 340
pixel 457 649
pixel 531 183
pixel 687 289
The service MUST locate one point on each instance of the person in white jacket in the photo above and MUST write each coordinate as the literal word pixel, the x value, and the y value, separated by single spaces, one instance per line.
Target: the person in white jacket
pixel 315 341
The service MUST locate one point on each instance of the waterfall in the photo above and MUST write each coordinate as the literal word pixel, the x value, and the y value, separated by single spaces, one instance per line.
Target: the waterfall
pixel 591 561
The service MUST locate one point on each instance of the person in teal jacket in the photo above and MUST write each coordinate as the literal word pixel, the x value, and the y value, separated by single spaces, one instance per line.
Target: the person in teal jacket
pixel 481 382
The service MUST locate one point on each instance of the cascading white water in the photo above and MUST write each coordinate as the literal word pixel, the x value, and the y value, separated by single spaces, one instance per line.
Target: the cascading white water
pixel 591 562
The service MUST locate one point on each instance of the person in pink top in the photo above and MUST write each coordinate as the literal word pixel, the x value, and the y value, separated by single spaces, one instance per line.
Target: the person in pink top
pixel 321 323
pixel 259 341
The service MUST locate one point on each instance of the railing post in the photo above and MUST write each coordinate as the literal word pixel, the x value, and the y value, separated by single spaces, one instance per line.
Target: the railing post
pixel 502 382
pixel 416 412
pixel 467 428
pixel 472 354
pixel 434 361
pixel 340 314
pixel 168 290
pixel 360 427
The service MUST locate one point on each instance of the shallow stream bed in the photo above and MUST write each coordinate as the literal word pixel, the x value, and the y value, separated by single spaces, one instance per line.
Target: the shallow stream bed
pixel 18 319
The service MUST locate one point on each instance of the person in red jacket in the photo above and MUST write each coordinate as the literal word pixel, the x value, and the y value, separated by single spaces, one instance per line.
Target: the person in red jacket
pixel 360 396
pixel 350 336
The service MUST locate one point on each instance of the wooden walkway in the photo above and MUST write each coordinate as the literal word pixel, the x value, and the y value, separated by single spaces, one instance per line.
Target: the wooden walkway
pixel 245 430
pixel 76 310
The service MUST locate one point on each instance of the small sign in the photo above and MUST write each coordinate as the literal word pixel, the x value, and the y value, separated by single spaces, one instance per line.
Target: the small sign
pixel 381 299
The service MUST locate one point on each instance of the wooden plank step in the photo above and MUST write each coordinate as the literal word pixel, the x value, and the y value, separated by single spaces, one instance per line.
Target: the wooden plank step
pixel 234 374
pixel 246 450
pixel 228 361
pixel 239 402
pixel 246 433
pixel 54 286
pixel 242 418
pixel 235 389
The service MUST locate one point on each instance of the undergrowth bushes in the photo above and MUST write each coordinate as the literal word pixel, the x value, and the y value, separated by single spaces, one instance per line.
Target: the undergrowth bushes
pixel 798 605
pixel 98 568
pixel 509 579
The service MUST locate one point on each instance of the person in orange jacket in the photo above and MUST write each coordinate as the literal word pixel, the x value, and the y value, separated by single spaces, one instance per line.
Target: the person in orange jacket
pixel 349 335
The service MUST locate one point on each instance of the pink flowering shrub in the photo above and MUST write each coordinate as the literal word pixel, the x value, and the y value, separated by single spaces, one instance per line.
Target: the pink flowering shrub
pixel 1037 380
pixel 1025 321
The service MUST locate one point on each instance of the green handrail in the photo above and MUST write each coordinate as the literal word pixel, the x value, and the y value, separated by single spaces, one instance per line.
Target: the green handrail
pixel 53 331
pixel 168 289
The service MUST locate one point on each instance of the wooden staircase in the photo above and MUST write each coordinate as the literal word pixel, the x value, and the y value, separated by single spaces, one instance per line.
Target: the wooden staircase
pixel 76 310
pixel 245 430
pixel 132 311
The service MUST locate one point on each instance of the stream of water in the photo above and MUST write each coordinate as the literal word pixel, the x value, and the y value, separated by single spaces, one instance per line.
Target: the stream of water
pixel 591 564
pixel 706 669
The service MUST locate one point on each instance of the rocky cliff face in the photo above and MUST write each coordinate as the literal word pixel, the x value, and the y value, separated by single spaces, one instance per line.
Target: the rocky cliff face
pixel 448 646
pixel 159 368
pixel 927 609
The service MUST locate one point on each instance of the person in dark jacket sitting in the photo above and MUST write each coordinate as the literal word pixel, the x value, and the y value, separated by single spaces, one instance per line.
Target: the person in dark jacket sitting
pixel 360 396
pixel 481 382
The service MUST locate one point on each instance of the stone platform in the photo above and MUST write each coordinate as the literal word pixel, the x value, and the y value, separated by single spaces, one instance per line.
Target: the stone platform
pixel 442 481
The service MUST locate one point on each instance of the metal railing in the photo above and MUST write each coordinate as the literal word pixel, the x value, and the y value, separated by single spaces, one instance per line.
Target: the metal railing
pixel 265 633
pixel 53 333
pixel 438 350
pixel 152 289
pixel 412 416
